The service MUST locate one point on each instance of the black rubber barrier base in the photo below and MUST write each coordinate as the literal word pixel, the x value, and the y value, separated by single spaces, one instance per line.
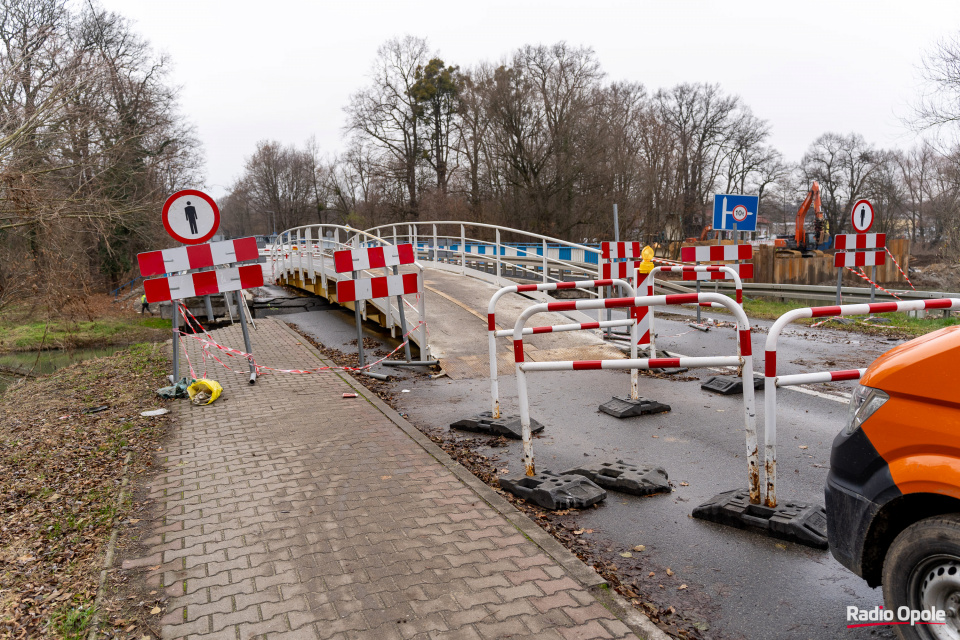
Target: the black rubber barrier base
pixel 555 491
pixel 728 385
pixel 638 480
pixel 620 407
pixel 798 522
pixel 484 423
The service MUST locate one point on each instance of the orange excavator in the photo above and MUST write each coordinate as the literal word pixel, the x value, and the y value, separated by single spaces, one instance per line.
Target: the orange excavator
pixel 705 234
pixel 807 242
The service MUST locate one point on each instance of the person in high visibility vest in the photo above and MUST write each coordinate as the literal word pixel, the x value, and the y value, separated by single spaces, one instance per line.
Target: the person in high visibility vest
pixel 144 305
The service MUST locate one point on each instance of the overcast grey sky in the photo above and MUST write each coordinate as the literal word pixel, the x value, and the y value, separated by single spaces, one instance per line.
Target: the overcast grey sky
pixel 283 69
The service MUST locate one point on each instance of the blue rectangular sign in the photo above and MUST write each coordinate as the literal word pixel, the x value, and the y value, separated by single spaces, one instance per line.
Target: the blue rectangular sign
pixel 730 209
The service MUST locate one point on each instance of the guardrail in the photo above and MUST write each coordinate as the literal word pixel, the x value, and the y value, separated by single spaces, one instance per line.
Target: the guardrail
pixel 308 251
pixel 829 292
pixel 493 333
pixel 772 381
pixel 744 360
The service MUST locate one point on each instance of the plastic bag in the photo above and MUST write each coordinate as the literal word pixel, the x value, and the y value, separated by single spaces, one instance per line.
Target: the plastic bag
pixel 178 390
pixel 204 391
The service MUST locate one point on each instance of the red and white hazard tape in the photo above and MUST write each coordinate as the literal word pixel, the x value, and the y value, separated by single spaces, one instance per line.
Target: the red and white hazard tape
pixel 860 274
pixel 209 342
pixel 906 277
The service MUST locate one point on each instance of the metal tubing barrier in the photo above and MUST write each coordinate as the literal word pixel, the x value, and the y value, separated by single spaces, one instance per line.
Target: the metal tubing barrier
pixel 731 273
pixel 772 380
pixel 493 334
pixel 745 360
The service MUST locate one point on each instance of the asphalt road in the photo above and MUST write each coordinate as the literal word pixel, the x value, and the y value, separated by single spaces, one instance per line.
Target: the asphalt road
pixel 739 584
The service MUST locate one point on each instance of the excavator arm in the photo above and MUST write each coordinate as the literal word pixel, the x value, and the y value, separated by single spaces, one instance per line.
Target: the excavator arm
pixel 813 198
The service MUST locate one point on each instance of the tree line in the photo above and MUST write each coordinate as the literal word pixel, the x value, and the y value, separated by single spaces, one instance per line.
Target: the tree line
pixel 543 141
pixel 91 143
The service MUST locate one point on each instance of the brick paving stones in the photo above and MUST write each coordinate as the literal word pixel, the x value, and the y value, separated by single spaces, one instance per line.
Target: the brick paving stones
pixel 289 512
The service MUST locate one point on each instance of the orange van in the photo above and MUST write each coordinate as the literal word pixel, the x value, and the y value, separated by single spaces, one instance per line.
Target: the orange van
pixel 893 491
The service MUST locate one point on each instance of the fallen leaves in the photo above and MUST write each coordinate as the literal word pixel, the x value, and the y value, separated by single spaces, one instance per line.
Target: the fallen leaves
pixel 803 446
pixel 59 474
pixel 681 587
pixel 626 554
pixel 669 571
pixel 640 547
pixel 155 611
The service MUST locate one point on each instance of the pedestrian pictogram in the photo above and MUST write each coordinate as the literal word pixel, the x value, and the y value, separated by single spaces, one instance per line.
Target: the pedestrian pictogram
pixel 862 216
pixel 191 216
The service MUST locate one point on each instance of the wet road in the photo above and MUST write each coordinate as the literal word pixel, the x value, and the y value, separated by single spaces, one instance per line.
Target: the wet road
pixel 739 584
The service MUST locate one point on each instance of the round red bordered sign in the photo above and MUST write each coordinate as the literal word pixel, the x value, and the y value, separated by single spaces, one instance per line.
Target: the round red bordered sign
pixel 740 213
pixel 862 216
pixel 191 216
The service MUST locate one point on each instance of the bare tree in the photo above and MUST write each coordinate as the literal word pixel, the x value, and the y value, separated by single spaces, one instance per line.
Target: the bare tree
pixel 389 112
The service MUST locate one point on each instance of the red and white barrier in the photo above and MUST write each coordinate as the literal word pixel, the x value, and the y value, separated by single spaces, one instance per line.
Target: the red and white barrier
pixel 859 258
pixel 493 333
pixel 620 250
pixel 772 381
pixel 745 360
pixel 203 283
pixel 197 256
pixel 714 272
pixel 710 253
pixel 854 241
pixel 382 287
pixel 623 270
pixel 373 257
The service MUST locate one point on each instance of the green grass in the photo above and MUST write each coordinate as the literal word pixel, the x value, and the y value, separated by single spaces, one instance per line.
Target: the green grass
pixel 72 623
pixel 29 336
pixel 763 309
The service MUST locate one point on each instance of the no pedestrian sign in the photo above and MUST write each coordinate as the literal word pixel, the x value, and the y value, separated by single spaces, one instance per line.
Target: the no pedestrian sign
pixel 862 216
pixel 191 216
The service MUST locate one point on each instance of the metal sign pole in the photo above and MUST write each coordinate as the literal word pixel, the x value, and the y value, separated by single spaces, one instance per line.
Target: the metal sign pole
pixel 873 287
pixel 839 281
pixel 403 322
pixel 246 335
pixel 356 313
pixel 176 342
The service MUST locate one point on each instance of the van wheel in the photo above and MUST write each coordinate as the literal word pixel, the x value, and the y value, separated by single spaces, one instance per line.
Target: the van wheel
pixel 922 570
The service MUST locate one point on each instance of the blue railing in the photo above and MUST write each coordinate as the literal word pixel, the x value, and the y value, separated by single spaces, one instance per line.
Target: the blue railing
pixel 132 284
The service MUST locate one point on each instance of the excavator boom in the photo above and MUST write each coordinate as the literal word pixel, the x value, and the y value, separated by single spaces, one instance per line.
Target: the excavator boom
pixel 813 197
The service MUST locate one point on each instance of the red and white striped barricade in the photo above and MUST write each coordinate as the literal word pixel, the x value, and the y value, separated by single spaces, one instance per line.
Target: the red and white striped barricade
pixel 859 250
pixel 859 258
pixel 719 253
pixel 387 257
pixel 859 241
pixel 480 421
pixel 197 256
pixel 745 360
pixel 772 381
pixel 202 283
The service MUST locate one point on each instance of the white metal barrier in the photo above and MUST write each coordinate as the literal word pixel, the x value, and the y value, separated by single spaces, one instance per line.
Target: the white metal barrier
pixel 307 251
pixel 745 360
pixel 493 333
pixel 772 380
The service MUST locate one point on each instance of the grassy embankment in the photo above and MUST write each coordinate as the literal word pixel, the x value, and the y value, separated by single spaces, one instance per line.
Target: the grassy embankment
pixel 60 472
pixel 98 322
pixel 763 309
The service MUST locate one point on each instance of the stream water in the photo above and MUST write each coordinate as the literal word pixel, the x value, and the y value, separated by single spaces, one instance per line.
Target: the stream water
pixel 23 362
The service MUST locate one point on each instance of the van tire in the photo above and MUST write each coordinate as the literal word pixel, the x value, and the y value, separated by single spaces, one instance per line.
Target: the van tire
pixel 919 544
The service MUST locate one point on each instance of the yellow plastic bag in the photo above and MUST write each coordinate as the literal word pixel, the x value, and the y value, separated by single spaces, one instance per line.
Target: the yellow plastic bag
pixel 204 391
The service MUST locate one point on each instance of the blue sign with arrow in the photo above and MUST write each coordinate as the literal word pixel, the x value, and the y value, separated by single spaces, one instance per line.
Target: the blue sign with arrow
pixel 731 208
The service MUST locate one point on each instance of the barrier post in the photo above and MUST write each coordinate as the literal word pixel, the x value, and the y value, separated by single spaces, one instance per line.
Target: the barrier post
pixel 176 342
pixel 241 314
pixel 745 358
pixel 493 421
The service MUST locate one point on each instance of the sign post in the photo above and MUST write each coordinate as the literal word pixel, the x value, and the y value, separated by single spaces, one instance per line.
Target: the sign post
pixel 192 218
pixel 861 219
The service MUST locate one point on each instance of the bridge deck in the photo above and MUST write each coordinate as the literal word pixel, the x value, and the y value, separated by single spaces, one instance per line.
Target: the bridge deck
pixel 456 311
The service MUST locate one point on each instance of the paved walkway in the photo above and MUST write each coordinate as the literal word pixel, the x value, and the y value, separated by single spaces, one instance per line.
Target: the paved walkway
pixel 288 511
